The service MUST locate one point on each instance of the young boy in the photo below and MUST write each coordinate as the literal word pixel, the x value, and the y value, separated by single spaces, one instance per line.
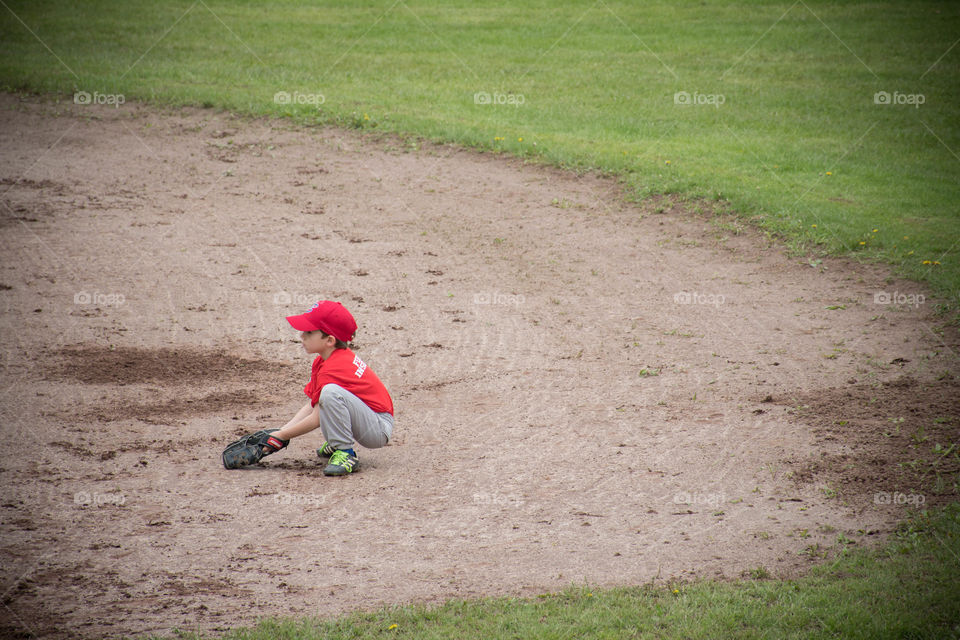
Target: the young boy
pixel 347 400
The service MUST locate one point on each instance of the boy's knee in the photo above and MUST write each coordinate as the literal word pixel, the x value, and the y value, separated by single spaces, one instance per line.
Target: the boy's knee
pixel 331 391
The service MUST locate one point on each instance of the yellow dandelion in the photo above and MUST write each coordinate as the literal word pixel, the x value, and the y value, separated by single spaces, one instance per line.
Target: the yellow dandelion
pixel 589 595
pixel 667 162
pixel 676 590
pixel 829 173
pixel 875 230
pixel 936 262
pixel 909 253
pixel 366 117
pixel 519 139
pixel 906 237
pixel 862 243
pixel 926 262
pixel 393 626
pixel 814 226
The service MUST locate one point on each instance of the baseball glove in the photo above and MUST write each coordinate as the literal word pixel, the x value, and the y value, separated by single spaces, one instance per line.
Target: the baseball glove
pixel 250 449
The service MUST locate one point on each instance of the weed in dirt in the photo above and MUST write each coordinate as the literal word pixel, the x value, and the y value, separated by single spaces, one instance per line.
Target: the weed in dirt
pixel 759 573
pixel 897 422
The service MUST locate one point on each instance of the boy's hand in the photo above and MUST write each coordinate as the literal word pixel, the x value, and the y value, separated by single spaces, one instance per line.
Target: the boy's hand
pixel 250 449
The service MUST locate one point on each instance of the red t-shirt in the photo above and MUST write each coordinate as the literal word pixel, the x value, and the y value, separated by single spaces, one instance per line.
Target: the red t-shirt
pixel 346 369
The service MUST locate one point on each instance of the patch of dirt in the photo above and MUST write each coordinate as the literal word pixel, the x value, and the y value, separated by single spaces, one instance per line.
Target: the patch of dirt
pixel 587 390
pixel 877 442
pixel 168 376
pixel 120 365
pixel 217 402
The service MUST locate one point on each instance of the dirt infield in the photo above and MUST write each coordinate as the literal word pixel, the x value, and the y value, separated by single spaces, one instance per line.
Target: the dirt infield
pixel 586 390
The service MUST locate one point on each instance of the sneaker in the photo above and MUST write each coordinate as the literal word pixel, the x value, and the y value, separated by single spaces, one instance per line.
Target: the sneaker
pixel 341 463
pixel 326 450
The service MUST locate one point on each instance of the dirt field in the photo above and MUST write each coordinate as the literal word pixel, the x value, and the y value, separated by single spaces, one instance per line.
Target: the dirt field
pixel 586 390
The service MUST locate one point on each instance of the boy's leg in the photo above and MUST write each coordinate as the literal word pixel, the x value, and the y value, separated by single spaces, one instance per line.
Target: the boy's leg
pixel 373 432
pixel 344 418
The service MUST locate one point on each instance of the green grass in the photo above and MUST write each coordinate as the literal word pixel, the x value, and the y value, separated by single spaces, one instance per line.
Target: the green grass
pixel 597 79
pixel 907 589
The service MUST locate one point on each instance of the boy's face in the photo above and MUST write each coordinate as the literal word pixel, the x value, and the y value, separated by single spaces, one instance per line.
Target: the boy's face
pixel 316 342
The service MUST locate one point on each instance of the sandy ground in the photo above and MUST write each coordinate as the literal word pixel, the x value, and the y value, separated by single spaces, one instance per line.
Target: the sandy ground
pixel 587 390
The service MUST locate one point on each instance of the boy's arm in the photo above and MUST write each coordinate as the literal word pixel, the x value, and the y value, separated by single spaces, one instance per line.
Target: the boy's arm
pixel 306 420
pixel 301 414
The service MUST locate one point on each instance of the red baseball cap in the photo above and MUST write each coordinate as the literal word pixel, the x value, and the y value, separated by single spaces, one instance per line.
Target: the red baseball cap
pixel 330 317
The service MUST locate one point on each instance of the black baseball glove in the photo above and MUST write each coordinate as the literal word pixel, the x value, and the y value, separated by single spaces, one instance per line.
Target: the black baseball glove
pixel 250 449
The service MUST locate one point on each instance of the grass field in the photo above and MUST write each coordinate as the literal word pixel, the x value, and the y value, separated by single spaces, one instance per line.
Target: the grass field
pixel 906 590
pixel 831 123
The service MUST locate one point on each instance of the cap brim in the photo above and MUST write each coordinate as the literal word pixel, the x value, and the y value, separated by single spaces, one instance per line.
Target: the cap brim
pixel 300 323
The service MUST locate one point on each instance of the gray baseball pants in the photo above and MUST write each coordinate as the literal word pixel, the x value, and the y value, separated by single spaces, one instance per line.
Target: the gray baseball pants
pixel 344 418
